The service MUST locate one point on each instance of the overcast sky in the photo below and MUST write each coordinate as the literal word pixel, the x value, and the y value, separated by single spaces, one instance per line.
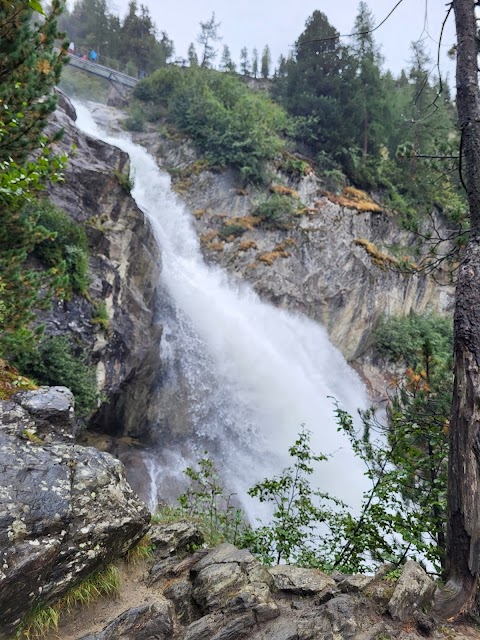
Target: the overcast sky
pixel 278 23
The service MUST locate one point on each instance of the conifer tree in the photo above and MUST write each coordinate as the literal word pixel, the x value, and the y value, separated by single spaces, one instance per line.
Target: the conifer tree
pixel 226 63
pixel 29 69
pixel 244 62
pixel 255 63
pixel 266 62
pixel 370 96
pixel 207 37
pixel 192 56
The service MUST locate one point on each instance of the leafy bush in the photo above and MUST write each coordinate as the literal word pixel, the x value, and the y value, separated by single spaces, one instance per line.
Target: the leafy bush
pixel 235 230
pixel 135 120
pixel 55 361
pixel 293 535
pixel 66 245
pixel 276 209
pixel 206 501
pixel 229 123
pixel 410 339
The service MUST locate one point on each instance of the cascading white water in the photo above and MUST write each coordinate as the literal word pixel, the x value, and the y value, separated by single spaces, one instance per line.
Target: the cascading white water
pixel 251 373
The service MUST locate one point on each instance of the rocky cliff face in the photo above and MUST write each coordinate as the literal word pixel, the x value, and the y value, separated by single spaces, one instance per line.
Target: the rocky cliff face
pixel 338 260
pixel 125 268
pixel 65 510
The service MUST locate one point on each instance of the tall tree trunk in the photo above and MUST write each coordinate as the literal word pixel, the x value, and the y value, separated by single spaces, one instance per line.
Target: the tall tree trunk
pixel 463 526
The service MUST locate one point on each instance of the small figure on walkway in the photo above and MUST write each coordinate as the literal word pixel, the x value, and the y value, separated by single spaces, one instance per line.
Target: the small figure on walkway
pixel 93 55
pixel 142 74
pixel 84 57
pixel 71 48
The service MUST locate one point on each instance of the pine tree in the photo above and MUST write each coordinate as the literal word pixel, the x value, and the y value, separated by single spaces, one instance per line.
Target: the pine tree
pixel 370 96
pixel 266 62
pixel 244 62
pixel 192 56
pixel 207 38
pixel 29 69
pixel 255 63
pixel 226 63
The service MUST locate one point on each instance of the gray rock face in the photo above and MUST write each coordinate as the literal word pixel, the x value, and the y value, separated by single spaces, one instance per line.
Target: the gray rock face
pixel 414 590
pixel 52 409
pixel 320 264
pixel 65 510
pixel 300 581
pixel 125 268
pixel 149 622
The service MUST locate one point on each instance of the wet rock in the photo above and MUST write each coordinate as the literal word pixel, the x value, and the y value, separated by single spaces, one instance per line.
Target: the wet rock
pixel 414 591
pixel 65 511
pixel 296 580
pixel 205 628
pixel 148 622
pixel 125 267
pixel 175 538
pixel 180 594
pixel 52 410
pixel 214 585
pixel 65 104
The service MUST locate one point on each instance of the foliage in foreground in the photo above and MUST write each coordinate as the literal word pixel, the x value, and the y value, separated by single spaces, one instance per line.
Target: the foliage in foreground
pixel 29 68
pixel 230 124
pixel 44 619
pixel 403 512
pixel 57 361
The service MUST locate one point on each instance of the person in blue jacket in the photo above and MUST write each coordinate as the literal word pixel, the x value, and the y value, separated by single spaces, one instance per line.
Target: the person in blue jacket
pixel 93 55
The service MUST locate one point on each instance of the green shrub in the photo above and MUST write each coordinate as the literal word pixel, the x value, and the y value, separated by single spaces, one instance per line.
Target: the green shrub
pixel 135 120
pixel 66 246
pixel 125 180
pixel 100 316
pixel 55 361
pixel 206 501
pixel 229 123
pixel 235 230
pixel 276 209
pixel 409 339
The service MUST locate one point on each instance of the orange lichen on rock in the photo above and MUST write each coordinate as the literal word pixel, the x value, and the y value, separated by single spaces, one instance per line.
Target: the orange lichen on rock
pixel 355 199
pixel 215 246
pixel 247 222
pixel 198 213
pixel 305 211
pixel 245 245
pixel 278 252
pixel 379 258
pixel 284 191
pixel 207 237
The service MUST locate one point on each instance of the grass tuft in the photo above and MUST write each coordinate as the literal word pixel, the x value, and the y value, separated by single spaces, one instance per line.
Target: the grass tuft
pixel 44 619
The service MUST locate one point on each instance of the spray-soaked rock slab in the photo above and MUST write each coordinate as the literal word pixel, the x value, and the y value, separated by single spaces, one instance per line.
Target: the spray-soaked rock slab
pixel 65 510
pixel 148 622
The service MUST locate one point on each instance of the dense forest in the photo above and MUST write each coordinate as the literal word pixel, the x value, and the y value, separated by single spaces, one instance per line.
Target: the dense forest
pixel 393 135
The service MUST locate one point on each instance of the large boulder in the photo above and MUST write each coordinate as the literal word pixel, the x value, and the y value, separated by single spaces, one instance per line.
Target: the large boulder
pixel 65 510
pixel 413 591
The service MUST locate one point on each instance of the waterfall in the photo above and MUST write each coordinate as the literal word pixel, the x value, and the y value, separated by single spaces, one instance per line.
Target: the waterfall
pixel 251 374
